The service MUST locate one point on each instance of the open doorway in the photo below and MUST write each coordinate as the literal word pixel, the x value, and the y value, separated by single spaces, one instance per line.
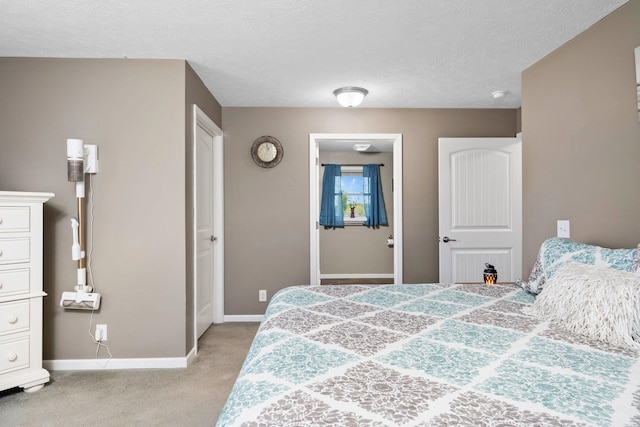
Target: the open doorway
pixel 340 148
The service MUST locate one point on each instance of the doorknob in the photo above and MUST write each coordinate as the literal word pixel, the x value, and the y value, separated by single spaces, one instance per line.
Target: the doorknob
pixel 447 240
pixel 213 239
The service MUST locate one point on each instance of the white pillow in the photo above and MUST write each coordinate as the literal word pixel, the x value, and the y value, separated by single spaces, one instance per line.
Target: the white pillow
pixel 596 301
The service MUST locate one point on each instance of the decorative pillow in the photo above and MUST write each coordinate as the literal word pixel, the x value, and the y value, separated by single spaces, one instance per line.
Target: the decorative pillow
pixel 599 302
pixel 555 252
pixel 635 267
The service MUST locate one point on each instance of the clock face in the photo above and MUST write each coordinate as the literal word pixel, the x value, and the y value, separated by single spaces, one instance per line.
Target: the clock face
pixel 266 151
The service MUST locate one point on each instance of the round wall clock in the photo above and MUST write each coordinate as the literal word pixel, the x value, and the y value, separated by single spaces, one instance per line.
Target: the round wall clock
pixel 266 151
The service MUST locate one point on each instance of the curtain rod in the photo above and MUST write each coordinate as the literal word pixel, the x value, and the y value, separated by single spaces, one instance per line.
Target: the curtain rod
pixel 352 164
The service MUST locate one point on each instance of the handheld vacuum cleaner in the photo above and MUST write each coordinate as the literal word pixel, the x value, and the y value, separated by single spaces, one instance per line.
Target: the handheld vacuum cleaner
pixel 81 159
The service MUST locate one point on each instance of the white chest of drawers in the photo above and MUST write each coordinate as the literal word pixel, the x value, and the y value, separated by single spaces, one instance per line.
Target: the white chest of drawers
pixel 21 290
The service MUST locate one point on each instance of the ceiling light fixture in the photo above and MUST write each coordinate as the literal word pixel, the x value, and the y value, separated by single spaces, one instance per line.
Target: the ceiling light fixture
pixel 350 96
pixel 361 147
pixel 499 94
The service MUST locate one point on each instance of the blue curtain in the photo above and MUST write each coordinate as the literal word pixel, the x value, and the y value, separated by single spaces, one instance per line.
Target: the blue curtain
pixel 331 211
pixel 373 198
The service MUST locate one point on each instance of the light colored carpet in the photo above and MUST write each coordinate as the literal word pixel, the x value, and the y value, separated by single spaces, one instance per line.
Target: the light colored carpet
pixel 193 396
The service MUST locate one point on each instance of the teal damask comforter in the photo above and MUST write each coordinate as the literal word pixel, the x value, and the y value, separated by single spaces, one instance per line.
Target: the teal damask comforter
pixel 426 355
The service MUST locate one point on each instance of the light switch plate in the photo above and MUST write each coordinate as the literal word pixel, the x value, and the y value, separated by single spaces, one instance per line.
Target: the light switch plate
pixel 564 228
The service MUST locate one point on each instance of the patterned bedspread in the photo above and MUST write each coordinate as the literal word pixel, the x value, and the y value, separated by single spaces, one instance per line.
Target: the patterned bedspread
pixel 426 355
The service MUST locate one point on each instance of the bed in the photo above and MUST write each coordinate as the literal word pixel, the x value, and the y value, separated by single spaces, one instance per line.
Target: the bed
pixel 430 355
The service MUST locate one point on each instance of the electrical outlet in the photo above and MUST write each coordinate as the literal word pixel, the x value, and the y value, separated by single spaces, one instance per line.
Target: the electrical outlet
pixel 262 295
pixel 90 158
pixel 101 333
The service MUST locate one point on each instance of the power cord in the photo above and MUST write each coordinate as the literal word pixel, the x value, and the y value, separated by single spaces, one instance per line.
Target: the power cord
pixel 99 344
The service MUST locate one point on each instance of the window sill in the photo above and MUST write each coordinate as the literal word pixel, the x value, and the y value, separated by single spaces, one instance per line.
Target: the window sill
pixel 359 220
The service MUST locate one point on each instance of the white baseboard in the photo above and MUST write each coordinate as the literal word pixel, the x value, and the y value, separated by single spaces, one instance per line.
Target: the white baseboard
pixel 136 363
pixel 357 276
pixel 105 364
pixel 243 318
pixel 192 355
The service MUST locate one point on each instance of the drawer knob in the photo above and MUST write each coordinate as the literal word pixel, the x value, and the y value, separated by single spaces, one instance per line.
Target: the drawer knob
pixel 0 220
pixel 1 285
pixel 12 318
pixel 11 357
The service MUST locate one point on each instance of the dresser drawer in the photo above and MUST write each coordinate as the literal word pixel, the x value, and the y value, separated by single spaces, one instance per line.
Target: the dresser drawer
pixel 14 250
pixel 14 282
pixel 14 317
pixel 14 355
pixel 14 218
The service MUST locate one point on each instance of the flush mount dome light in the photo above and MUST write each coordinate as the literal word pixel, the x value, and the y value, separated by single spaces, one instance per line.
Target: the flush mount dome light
pixel 350 96
pixel 361 147
pixel 499 94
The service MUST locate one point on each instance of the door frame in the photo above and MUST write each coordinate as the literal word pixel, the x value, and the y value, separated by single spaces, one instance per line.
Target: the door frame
pixel 201 119
pixel 314 196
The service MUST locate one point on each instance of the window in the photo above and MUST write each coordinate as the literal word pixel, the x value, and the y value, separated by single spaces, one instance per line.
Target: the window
pixel 353 195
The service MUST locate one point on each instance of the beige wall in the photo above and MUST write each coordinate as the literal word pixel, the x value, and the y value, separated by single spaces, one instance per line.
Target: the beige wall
pixel 581 138
pixel 358 249
pixel 197 93
pixel 134 110
pixel 267 210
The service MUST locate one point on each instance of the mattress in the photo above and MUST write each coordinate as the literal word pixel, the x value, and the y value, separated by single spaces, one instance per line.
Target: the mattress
pixel 426 355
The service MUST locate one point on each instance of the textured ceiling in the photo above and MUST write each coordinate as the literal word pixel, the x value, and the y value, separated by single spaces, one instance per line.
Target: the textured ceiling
pixel 294 53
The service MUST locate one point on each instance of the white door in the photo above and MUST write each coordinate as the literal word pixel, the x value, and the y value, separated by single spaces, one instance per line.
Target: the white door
pixel 480 208
pixel 204 228
pixel 208 224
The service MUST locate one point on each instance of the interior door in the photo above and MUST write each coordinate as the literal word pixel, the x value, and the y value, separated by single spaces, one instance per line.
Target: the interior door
pixel 204 220
pixel 480 208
